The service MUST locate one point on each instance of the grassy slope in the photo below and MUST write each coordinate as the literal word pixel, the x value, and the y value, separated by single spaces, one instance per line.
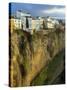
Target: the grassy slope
pixel 51 72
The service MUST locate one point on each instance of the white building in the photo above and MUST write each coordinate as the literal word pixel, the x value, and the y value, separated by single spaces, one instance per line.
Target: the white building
pixel 38 23
pixel 26 19
pixel 17 23
pixel 35 24
pixel 51 23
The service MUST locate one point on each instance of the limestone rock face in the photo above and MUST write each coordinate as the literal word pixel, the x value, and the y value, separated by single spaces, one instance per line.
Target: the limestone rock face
pixel 31 53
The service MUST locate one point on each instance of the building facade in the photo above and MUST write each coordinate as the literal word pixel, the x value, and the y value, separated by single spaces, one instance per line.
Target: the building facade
pixel 38 23
pixel 26 19
pixel 14 24
pixel 51 23
pixel 35 24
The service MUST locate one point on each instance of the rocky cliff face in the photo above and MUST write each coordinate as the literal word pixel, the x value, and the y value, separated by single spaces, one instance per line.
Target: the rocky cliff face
pixel 31 53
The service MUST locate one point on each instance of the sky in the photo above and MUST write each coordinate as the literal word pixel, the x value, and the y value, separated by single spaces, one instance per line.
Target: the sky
pixel 57 11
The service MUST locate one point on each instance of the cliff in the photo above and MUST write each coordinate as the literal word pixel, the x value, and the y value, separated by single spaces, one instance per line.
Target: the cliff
pixel 32 57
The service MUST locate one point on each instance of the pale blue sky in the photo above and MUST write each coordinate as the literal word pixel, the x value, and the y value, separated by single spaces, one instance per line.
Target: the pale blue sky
pixel 57 11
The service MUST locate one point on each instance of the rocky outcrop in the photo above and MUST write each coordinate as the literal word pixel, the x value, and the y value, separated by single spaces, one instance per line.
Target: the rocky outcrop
pixel 31 53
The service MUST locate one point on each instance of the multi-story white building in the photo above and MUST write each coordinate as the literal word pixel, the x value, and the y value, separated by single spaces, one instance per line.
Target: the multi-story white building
pixel 42 20
pixel 51 23
pixel 15 23
pixel 26 19
pixel 35 24
pixel 38 23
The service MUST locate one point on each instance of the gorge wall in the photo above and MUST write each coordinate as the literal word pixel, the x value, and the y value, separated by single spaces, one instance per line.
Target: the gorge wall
pixel 29 54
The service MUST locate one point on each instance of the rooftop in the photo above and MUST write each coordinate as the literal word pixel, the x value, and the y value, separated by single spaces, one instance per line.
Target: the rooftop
pixel 23 11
